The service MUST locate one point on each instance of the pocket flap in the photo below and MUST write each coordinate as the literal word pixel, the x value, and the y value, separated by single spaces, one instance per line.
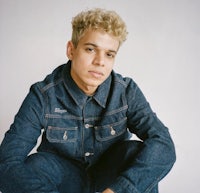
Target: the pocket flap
pixel 110 131
pixel 61 135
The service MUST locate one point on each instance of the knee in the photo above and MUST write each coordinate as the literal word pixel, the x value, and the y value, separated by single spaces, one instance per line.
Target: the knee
pixel 46 165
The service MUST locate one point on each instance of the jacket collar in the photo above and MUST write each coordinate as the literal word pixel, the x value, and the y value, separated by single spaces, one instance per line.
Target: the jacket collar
pixel 78 95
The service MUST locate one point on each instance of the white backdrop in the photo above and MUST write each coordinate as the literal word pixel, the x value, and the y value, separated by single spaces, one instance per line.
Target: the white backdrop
pixel 161 54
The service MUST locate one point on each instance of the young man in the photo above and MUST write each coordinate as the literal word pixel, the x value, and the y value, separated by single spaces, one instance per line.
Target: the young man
pixel 87 113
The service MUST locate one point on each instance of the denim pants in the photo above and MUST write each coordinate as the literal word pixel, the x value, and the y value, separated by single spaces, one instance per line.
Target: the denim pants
pixel 60 175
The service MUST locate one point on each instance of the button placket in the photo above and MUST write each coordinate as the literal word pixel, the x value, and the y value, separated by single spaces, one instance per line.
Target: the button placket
pixel 87 126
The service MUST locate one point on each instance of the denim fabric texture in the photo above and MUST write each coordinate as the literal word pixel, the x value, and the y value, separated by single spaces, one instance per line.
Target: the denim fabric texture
pixel 77 132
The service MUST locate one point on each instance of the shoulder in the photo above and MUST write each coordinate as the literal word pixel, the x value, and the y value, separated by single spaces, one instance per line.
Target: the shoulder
pixel 126 86
pixel 51 80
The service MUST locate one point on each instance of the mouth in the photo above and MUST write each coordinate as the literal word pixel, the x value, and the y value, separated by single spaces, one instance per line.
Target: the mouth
pixel 96 74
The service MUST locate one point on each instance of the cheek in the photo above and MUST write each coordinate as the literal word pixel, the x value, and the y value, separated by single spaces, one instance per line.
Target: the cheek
pixel 109 67
pixel 108 71
pixel 84 60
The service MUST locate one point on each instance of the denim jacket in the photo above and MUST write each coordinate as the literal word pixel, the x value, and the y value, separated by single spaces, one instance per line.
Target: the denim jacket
pixel 82 127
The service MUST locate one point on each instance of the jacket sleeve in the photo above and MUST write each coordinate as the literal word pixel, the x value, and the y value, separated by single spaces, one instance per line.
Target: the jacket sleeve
pixel 20 139
pixel 157 155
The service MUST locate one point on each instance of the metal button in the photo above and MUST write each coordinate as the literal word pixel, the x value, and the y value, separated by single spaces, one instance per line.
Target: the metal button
pixel 88 126
pixel 87 154
pixel 112 132
pixel 65 135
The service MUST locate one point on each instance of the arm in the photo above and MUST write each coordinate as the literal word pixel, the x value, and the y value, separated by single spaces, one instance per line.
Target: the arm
pixel 157 155
pixel 20 140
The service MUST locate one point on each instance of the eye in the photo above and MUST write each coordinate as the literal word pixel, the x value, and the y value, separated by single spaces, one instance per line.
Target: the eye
pixel 110 55
pixel 89 49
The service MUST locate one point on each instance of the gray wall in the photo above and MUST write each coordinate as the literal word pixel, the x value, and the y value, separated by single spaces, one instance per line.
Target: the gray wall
pixel 161 55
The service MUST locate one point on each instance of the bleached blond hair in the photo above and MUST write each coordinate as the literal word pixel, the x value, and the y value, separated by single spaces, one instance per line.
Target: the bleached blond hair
pixel 98 19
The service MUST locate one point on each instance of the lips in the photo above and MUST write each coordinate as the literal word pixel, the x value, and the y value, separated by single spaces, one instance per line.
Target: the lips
pixel 96 74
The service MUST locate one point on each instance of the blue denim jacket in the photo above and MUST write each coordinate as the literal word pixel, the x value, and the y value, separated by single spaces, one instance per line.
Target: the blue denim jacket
pixel 82 127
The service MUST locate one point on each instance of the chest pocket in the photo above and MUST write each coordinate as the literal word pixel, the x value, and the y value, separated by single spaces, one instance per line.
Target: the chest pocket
pixel 111 131
pixel 62 135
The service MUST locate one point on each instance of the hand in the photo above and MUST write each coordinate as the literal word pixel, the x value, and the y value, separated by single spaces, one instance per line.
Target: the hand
pixel 107 191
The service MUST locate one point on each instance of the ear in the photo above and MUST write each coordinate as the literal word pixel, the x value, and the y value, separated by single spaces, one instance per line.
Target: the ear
pixel 70 50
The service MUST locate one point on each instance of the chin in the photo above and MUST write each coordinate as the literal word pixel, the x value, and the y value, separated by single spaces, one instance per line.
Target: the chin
pixel 95 83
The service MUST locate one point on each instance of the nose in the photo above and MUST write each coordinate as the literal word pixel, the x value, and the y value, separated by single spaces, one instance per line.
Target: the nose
pixel 99 59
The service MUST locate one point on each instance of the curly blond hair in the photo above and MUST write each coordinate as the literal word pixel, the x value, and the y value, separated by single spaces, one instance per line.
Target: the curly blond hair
pixel 98 19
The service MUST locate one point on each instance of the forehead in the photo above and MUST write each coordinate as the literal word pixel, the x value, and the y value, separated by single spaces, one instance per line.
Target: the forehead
pixel 99 38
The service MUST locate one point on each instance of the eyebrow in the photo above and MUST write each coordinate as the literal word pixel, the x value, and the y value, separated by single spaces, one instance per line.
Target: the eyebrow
pixel 96 46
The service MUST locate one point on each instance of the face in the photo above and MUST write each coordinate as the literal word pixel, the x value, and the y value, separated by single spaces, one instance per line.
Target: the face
pixel 92 59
